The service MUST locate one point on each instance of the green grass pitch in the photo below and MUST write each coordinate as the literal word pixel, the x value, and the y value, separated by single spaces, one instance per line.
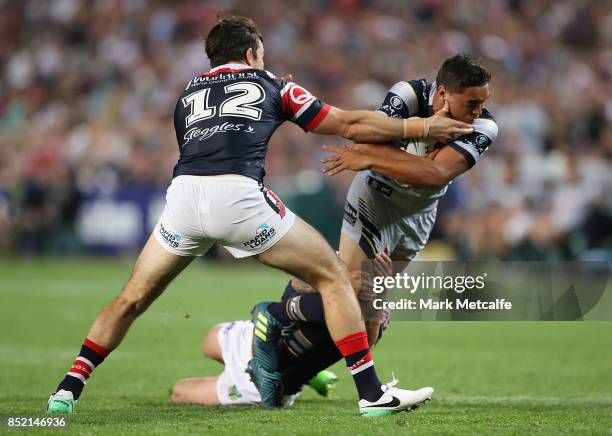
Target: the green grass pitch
pixel 510 378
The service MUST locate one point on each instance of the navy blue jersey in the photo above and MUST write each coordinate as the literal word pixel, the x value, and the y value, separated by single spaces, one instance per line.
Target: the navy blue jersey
pixel 225 118
pixel 414 98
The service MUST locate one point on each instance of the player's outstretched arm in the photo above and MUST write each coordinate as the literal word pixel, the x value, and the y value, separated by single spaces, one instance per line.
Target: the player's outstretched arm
pixel 438 171
pixel 366 126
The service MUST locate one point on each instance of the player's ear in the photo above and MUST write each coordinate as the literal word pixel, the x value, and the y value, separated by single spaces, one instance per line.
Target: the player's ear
pixel 442 92
pixel 250 56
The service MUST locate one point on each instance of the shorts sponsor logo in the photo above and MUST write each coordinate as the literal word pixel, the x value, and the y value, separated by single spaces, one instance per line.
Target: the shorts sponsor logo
pixel 262 235
pixel 172 239
pixel 350 214
pixel 233 393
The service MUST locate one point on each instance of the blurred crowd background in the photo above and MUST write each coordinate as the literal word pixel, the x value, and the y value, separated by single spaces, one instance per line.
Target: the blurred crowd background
pixel 88 88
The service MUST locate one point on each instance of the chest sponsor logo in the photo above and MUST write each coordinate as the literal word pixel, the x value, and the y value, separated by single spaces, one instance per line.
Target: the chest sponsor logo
pixel 379 186
pixel 200 134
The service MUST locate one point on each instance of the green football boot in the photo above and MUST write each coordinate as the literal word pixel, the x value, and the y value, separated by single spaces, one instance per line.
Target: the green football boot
pixel 269 384
pixel 263 367
pixel 324 382
pixel 61 402
pixel 266 331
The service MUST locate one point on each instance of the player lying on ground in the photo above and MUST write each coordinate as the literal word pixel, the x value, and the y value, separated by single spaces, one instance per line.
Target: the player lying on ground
pixel 304 349
pixel 392 201
pixel 223 121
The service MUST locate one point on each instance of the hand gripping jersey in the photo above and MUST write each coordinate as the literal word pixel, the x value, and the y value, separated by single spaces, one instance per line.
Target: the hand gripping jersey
pixel 225 118
pixel 414 98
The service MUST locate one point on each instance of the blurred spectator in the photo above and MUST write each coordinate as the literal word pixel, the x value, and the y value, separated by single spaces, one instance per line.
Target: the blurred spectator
pixel 88 87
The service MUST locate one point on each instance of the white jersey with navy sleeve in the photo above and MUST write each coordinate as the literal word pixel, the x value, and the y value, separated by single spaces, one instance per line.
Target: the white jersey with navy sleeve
pixel 414 98
pixel 383 213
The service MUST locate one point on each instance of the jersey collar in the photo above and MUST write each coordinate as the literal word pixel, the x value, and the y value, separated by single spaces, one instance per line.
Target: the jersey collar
pixel 230 67
pixel 430 97
pixel 432 92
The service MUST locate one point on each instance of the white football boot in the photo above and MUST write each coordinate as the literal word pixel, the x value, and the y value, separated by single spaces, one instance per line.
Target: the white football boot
pixel 394 400
pixel 61 402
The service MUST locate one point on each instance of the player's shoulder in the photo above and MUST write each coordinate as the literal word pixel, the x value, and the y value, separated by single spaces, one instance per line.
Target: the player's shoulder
pixel 486 124
pixel 410 89
pixel 406 98
pixel 278 82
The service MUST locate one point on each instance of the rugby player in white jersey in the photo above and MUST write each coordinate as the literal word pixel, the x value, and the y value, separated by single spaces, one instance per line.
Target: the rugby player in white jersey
pixel 392 202
pixel 223 121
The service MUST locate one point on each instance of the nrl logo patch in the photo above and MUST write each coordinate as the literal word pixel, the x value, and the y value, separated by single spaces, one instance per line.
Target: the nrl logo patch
pixel 396 102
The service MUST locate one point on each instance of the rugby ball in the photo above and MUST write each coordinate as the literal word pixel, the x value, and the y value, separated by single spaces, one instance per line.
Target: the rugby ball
pixel 417 146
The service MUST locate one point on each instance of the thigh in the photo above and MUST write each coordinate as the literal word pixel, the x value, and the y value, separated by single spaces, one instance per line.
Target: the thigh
pixel 304 253
pixel 211 346
pixel 363 223
pixel 351 252
pixel 413 232
pixel 197 390
pixel 154 269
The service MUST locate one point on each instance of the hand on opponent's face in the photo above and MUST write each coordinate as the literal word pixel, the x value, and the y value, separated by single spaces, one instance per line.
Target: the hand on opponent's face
pixel 442 128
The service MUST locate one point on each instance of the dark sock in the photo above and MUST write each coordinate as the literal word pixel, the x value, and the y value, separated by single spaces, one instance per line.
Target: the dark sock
pixel 304 308
pixel 91 356
pixel 359 361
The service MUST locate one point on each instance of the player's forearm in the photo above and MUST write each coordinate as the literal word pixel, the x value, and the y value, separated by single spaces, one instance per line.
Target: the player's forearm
pixel 366 126
pixel 412 170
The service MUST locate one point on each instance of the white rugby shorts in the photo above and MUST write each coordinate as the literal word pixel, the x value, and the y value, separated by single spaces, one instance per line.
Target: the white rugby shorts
pixel 379 216
pixel 234 385
pixel 235 211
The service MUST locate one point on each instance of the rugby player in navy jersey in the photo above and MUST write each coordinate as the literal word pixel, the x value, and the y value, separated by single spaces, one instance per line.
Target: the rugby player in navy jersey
pixel 304 348
pixel 392 202
pixel 223 121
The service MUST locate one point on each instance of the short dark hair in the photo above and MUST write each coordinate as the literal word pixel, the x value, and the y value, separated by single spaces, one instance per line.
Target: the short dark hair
pixel 462 71
pixel 230 39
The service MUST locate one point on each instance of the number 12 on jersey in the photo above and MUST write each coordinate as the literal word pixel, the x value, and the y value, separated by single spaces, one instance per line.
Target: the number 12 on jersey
pixel 240 105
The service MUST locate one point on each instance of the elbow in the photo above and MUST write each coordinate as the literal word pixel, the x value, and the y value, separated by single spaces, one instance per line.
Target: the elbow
pixel 438 182
pixel 438 177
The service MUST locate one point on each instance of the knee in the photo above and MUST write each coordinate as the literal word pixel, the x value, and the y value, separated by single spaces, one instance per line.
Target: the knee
pixel 179 393
pixel 332 275
pixel 130 302
pixel 210 344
